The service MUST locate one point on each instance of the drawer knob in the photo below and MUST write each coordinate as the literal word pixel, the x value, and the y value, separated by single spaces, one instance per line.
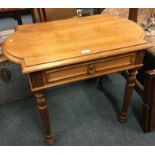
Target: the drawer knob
pixel 91 69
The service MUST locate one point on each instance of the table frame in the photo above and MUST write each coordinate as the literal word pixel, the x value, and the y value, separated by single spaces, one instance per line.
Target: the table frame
pixel 38 86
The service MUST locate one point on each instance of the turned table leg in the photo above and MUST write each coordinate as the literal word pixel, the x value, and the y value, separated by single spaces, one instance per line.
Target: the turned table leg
pixel 42 108
pixel 127 94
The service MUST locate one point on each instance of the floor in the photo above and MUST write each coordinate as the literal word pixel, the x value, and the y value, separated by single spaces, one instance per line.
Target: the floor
pixel 80 114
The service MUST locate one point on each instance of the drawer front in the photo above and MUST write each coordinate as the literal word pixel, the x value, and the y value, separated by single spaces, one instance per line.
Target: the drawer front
pixel 88 70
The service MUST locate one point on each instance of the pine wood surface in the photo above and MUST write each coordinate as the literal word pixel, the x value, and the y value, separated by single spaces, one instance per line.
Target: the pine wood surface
pixel 53 44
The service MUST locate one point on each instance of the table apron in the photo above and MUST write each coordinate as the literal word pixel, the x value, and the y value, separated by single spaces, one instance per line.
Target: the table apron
pixel 68 74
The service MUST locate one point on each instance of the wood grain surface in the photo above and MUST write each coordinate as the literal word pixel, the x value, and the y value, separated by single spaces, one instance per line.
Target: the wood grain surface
pixel 53 44
pixel 62 52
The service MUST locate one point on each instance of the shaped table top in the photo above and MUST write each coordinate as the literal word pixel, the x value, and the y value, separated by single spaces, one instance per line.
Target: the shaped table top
pixel 57 43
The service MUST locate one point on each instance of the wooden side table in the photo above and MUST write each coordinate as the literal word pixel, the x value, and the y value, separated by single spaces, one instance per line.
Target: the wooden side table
pixel 69 53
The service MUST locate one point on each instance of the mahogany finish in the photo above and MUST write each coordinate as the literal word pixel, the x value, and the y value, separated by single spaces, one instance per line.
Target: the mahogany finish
pixel 42 14
pixel 133 14
pixel 76 49
pixel 148 120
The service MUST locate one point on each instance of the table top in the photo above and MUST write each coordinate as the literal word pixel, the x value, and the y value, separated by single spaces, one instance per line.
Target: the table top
pixel 52 44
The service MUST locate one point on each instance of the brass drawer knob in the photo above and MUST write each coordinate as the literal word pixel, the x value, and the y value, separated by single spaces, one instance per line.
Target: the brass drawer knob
pixel 91 69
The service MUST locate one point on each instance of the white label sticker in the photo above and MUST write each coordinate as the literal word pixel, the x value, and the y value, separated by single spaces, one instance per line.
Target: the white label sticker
pixel 85 51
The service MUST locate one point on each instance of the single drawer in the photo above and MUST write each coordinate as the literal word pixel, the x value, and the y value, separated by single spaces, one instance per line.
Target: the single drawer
pixel 89 69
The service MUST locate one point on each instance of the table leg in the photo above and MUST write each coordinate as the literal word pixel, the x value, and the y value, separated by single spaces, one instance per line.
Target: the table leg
pixel 127 94
pixel 19 18
pixel 33 16
pixel 148 114
pixel 133 14
pixel 42 108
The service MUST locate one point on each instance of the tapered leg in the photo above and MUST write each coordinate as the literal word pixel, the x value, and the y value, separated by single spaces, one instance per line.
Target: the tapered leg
pixel 33 16
pixel 42 108
pixel 127 95
pixel 19 18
